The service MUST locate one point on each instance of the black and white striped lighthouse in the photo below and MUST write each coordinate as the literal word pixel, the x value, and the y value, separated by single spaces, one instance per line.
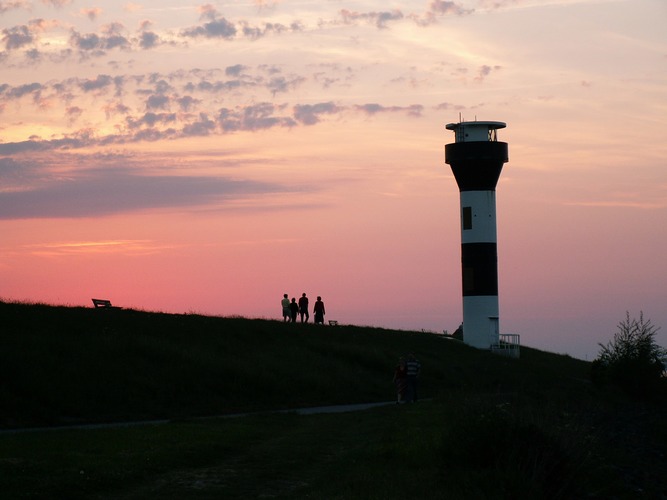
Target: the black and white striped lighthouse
pixel 476 159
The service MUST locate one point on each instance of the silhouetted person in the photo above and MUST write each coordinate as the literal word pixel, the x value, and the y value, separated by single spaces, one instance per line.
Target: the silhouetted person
pixel 401 380
pixel 319 311
pixel 294 309
pixel 286 309
pixel 413 367
pixel 303 307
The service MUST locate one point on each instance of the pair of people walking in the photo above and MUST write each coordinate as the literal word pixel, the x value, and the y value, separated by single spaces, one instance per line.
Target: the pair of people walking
pixel 292 309
pixel 406 374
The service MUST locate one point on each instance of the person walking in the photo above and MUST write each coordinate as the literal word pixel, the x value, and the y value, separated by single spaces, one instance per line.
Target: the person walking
pixel 294 309
pixel 286 309
pixel 303 307
pixel 413 367
pixel 401 380
pixel 319 311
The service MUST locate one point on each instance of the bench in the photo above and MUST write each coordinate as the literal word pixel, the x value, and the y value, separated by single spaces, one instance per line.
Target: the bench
pixel 103 304
pixel 333 322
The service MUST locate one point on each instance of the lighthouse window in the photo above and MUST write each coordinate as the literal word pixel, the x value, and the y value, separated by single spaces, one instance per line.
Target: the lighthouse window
pixel 467 217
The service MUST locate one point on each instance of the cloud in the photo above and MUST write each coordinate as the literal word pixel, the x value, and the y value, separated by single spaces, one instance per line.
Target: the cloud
pixel 266 4
pixel 443 7
pixel 16 37
pixel 281 84
pixel 499 4
pixel 12 174
pixel 251 118
pixel 151 119
pixel 309 114
pixel 256 32
pixel 112 109
pixel 90 42
pixel 33 55
pixel 92 13
pixel 187 102
pixel 212 25
pixel 6 5
pixel 207 11
pixel 218 28
pixel 153 126
pixel 438 9
pixel 370 109
pixel 235 70
pixel 148 40
pixel 446 106
pixel 73 113
pixel 157 101
pixel 183 103
pixel 110 191
pixel 485 71
pixel 380 19
pixel 57 3
pixel 216 86
pixel 29 88
pixel 202 127
pixel 99 83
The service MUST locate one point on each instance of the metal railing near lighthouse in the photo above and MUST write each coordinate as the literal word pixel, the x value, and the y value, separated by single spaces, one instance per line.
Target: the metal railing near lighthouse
pixel 509 344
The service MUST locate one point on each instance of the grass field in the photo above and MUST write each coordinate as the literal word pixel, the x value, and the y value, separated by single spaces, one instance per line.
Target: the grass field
pixel 487 427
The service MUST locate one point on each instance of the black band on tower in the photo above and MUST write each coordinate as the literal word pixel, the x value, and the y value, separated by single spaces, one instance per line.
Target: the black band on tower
pixel 479 263
pixel 476 165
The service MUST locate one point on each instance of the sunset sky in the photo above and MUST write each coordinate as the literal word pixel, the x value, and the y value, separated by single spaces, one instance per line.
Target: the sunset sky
pixel 208 157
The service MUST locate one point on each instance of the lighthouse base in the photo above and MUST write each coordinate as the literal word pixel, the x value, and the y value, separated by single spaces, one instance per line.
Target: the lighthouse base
pixel 480 321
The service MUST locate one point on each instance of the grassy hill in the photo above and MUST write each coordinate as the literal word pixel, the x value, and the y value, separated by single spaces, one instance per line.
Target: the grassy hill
pixel 487 426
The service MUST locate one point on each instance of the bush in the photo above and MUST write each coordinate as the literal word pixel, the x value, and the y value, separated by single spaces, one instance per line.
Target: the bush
pixel 632 360
pixel 513 453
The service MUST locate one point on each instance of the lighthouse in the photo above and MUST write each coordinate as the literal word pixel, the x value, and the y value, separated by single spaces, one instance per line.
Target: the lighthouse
pixel 476 158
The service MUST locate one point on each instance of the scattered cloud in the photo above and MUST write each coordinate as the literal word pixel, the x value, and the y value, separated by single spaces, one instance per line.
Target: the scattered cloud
pixel 148 40
pixel 157 101
pixel 379 19
pixel 235 70
pixel 207 12
pixel 73 113
pixel 485 71
pixel 7 5
pixel 259 116
pixel 57 3
pixel 99 83
pixel 92 13
pixel 370 109
pixel 150 107
pixel 92 42
pixel 309 114
pixel 217 28
pixel 212 26
pixel 17 37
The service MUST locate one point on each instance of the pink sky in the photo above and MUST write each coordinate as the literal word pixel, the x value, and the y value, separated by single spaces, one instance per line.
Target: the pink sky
pixel 209 157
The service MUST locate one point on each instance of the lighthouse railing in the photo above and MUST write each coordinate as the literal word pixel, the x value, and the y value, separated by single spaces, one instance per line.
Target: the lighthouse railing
pixel 509 344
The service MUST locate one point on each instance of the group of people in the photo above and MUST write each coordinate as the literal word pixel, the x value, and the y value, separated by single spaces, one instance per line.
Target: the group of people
pixel 405 378
pixel 292 309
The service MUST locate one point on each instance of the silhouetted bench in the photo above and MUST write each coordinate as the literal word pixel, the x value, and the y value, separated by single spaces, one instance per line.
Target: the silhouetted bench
pixel 333 322
pixel 103 304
